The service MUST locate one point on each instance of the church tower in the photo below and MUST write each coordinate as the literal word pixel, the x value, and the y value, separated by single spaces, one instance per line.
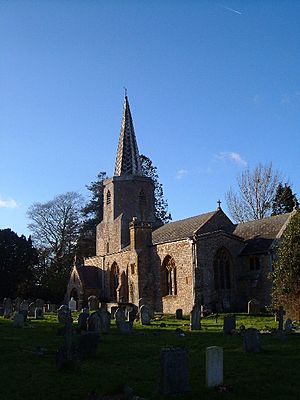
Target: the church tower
pixel 128 194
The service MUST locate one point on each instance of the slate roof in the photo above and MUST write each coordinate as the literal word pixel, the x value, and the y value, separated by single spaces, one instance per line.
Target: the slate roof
pixel 260 234
pixel 181 229
pixel 89 276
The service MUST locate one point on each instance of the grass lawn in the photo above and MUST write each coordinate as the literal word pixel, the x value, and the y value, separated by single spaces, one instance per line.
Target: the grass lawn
pixel 134 360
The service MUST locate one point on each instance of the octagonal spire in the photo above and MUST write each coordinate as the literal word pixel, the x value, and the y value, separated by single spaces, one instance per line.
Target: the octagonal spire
pixel 128 158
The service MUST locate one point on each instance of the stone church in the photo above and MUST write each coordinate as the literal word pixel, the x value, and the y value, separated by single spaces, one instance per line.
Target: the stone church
pixel 205 260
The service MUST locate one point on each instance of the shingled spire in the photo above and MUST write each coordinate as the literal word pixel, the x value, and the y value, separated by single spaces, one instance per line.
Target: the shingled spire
pixel 128 159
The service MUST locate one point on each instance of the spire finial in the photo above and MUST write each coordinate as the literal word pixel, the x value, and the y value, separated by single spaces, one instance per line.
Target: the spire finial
pixel 219 204
pixel 125 91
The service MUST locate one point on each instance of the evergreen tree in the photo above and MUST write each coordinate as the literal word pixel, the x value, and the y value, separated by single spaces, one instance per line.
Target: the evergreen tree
pixel 161 205
pixel 284 201
pixel 17 259
pixel 286 274
pixel 93 214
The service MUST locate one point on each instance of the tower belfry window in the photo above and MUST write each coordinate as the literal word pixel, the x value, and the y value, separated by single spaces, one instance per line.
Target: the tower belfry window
pixel 108 198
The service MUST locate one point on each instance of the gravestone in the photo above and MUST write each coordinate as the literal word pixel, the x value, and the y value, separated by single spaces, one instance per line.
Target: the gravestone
pixel 72 304
pixel 94 322
pixel 16 304
pixel 105 318
pixel 8 308
pixel 178 314
pixel 174 378
pixel 93 303
pixel 38 313
pixel 280 313
pixel 145 315
pixel 67 357
pixel 288 326
pixel 229 324
pixel 251 341
pixel 40 303
pixel 63 314
pixel 52 307
pixel 82 319
pixel 122 325
pixel 214 366
pixel 24 305
pixel 31 309
pixel 202 311
pixel 113 310
pixel 18 320
pixel 253 307
pixel 195 319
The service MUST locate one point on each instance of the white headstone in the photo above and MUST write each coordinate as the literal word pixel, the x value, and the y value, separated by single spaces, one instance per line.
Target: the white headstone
pixel 214 366
pixel 72 304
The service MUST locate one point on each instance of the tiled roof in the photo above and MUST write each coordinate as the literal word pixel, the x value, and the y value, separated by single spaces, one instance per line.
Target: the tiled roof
pixel 181 229
pixel 260 234
pixel 89 276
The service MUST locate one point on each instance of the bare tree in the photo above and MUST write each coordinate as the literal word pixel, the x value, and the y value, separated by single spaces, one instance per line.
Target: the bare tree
pixel 257 190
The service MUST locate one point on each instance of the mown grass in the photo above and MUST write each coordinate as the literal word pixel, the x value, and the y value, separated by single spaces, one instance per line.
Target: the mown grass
pixel 134 360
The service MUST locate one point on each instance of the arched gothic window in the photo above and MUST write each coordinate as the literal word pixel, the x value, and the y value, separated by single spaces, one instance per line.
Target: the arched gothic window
pixel 222 263
pixel 108 197
pixel 114 280
pixel 168 278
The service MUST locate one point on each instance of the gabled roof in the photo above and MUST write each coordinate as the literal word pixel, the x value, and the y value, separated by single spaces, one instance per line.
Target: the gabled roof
pixel 260 234
pixel 128 159
pixel 89 276
pixel 181 229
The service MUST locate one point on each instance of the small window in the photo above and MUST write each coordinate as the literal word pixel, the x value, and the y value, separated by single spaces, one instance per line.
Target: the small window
pixel 108 198
pixel 107 247
pixel 254 263
pixel 132 269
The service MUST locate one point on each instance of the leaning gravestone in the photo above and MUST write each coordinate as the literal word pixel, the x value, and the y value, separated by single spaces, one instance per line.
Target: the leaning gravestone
pixel 174 378
pixel 178 314
pixel 8 308
pixel 93 303
pixel 214 366
pixel 253 307
pixel 145 315
pixel 229 324
pixel 195 319
pixel 251 341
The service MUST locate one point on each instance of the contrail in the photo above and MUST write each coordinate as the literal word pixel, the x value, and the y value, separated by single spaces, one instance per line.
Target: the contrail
pixel 231 9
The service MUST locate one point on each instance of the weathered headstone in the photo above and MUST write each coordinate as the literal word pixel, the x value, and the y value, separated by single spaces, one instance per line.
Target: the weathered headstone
pixel 251 341
pixel 105 318
pixel 93 303
pixel 18 320
pixel 24 305
pixel 67 357
pixel 253 307
pixel 145 315
pixel 38 313
pixel 113 310
pixel 229 324
pixel 214 366
pixel 174 378
pixel 63 314
pixel 288 325
pixel 72 304
pixel 31 309
pixel 178 314
pixel 8 308
pixel 94 322
pixel 122 325
pixel 195 319
pixel 280 313
pixel 82 319
pixel 16 304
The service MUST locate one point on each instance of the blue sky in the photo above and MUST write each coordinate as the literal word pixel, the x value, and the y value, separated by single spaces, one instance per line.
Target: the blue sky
pixel 214 87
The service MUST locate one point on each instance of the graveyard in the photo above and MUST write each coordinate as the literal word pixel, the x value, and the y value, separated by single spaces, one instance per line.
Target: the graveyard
pixel 128 365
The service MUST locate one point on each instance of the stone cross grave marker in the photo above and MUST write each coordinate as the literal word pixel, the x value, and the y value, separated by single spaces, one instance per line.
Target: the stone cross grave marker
pixel 174 378
pixel 195 319
pixel 214 366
